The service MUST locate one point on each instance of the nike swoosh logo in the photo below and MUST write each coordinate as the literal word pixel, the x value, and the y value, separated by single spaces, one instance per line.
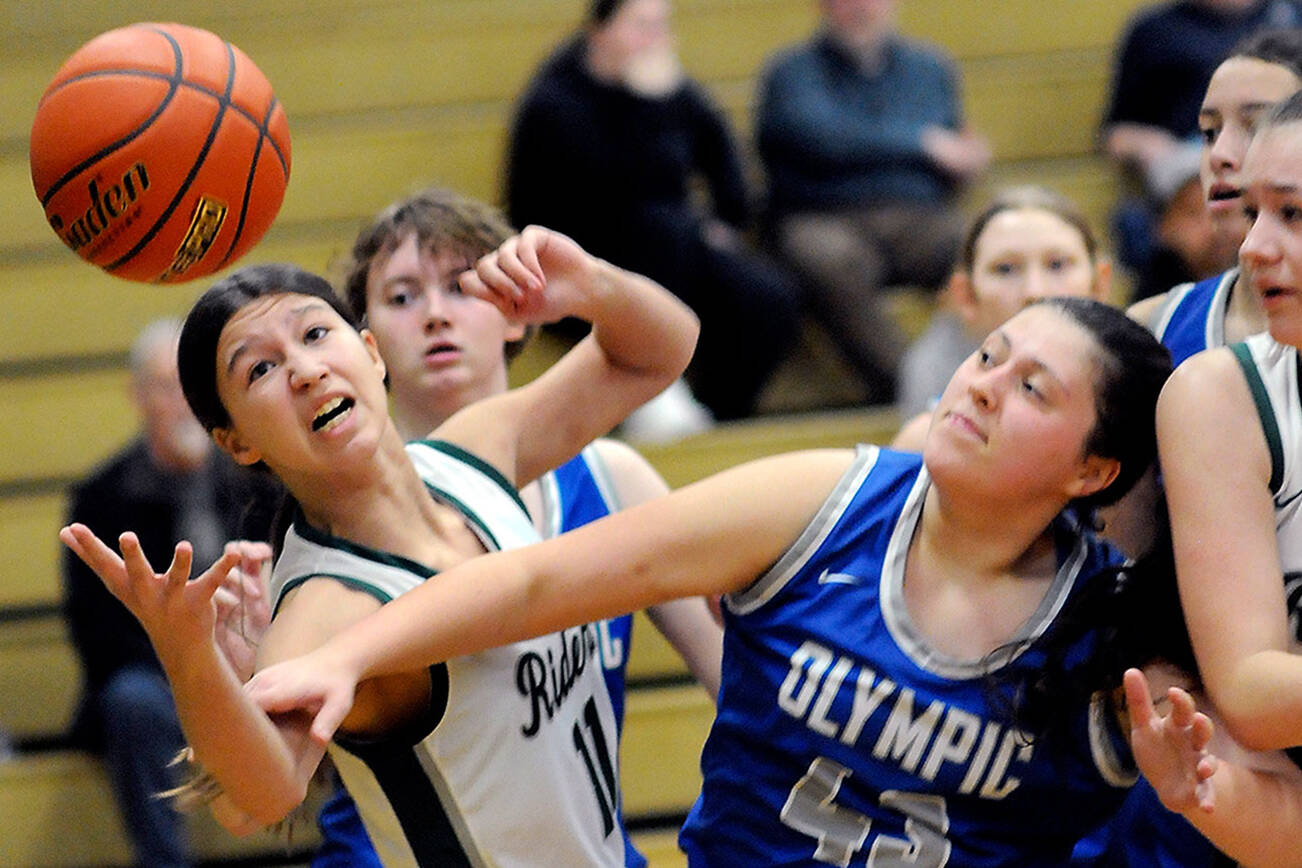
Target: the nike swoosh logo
pixel 827 577
pixel 1280 504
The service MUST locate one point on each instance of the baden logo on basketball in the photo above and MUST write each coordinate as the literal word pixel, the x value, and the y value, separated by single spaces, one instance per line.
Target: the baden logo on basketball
pixel 107 207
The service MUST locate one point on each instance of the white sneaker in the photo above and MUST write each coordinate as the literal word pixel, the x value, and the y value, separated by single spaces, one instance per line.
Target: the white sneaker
pixel 673 414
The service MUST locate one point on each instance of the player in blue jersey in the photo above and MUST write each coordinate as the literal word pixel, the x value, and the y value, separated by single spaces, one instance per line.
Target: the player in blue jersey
pixel 295 388
pixel 870 600
pixel 1262 70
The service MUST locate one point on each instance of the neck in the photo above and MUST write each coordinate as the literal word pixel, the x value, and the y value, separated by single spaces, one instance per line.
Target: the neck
pixel 977 541
pixel 1244 314
pixel 368 502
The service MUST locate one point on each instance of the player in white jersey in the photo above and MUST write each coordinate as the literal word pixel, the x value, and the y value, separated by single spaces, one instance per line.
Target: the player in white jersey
pixel 1234 536
pixel 866 597
pixel 273 366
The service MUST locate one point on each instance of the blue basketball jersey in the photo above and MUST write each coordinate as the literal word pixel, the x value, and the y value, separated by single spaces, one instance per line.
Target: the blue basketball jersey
pixel 1193 318
pixel 844 738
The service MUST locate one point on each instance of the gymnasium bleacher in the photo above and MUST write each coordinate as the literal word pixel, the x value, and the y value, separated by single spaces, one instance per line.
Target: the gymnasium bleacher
pixel 383 97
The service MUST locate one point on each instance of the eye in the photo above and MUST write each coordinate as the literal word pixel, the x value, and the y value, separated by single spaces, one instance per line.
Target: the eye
pixel 1250 212
pixel 399 299
pixel 1058 263
pixel 1290 213
pixel 257 369
pixel 984 357
pixel 1004 269
pixel 1209 134
pixel 1029 386
pixel 314 334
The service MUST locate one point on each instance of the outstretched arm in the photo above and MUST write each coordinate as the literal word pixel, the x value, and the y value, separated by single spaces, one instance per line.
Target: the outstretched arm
pixel 263 767
pixel 642 339
pixel 688 623
pixel 1217 482
pixel 1251 815
pixel 715 536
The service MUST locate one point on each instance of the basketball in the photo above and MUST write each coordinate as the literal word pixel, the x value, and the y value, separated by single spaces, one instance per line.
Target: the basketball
pixel 159 153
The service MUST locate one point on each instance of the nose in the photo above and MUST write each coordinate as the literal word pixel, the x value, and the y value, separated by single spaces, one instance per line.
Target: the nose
pixel 983 388
pixel 1259 247
pixel 435 310
pixel 1226 150
pixel 304 370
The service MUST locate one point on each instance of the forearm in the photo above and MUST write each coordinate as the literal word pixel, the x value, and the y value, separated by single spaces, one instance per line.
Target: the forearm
pixel 695 635
pixel 233 740
pixel 1261 700
pixel 1256 817
pixel 638 326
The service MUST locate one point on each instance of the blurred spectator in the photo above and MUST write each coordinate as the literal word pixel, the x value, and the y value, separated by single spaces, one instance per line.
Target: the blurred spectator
pixel 1186 245
pixel 862 138
pixel 613 145
pixel 1028 243
pixel 167 485
pixel 1163 65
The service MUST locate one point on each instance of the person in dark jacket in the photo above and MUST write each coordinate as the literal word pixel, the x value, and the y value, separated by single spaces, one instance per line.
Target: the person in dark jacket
pixel 166 485
pixel 612 144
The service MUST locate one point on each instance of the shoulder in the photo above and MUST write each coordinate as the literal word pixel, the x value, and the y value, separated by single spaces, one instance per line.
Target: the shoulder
pixel 1146 311
pixel 1209 386
pixel 632 477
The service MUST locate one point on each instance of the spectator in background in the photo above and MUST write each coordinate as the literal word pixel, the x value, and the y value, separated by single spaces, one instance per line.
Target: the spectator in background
pixel 863 141
pixel 1187 246
pixel 168 484
pixel 1163 65
pixel 607 145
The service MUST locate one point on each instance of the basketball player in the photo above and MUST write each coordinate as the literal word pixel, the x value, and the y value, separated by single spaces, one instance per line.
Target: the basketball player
pixel 867 594
pixel 297 389
pixel 443 351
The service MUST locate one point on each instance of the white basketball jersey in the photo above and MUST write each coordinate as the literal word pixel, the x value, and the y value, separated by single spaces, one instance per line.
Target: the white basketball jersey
pixel 517 767
pixel 1271 369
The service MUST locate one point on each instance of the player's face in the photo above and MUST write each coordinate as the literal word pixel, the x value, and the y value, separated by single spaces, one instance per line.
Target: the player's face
pixel 1241 90
pixel 1013 420
pixel 1272 250
pixel 637 27
pixel 1023 255
pixel 303 389
pixel 443 348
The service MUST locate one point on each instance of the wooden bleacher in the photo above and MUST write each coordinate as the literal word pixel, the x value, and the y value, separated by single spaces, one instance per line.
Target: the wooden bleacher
pixel 384 96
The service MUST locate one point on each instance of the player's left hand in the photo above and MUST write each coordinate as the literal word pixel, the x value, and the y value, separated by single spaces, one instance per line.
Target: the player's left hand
pixel 538 276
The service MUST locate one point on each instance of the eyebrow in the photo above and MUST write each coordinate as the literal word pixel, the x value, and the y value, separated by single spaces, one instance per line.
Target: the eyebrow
pixel 297 312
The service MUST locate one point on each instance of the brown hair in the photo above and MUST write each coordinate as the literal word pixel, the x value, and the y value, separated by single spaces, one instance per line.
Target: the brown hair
pixel 1027 197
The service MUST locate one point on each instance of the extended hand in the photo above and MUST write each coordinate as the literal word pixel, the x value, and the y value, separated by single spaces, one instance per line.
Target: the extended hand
pixel 175 612
pixel 243 609
pixel 1171 749
pixel 309 684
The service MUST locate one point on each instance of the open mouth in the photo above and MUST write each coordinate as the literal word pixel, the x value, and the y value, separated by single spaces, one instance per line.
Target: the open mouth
pixel 331 413
pixel 1223 194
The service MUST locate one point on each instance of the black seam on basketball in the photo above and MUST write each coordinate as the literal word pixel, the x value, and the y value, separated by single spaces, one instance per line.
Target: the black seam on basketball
pixel 263 136
pixel 223 103
pixel 175 81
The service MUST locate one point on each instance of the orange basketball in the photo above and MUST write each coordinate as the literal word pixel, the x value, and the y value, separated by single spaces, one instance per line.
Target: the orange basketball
pixel 159 152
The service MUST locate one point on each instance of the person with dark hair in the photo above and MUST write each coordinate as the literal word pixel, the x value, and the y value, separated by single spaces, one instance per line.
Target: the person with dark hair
pixel 608 144
pixel 490 758
pixel 1232 488
pixel 873 609
pixel 1161 70
pixel 445 350
pixel 863 142
pixel 167 484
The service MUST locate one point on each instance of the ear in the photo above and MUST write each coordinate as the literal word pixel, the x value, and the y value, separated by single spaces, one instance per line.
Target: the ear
pixel 962 296
pixel 1102 289
pixel 231 443
pixel 374 350
pixel 1096 474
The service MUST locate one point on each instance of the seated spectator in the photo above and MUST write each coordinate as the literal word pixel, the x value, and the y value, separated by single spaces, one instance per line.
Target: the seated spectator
pixel 1028 243
pixel 168 484
pixel 607 146
pixel 862 138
